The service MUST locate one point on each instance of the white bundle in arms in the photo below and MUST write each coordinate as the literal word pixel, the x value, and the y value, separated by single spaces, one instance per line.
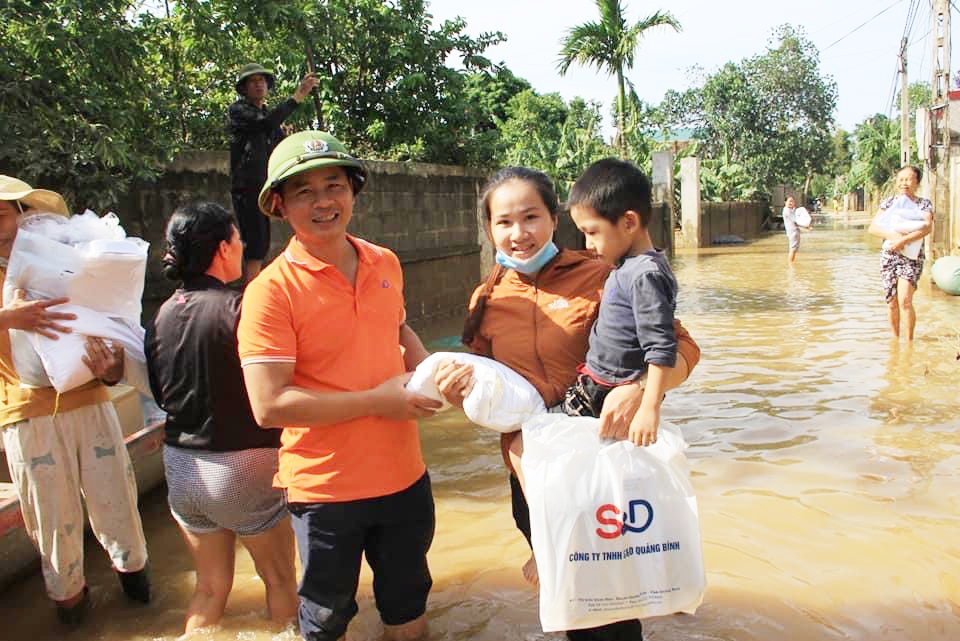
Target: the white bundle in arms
pixel 89 260
pixel 500 399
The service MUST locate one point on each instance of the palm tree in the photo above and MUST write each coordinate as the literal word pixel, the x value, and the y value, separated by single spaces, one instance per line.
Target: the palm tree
pixel 610 45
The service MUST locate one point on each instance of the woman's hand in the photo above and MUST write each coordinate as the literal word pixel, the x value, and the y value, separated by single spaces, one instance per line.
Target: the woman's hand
pixel 619 408
pixel 105 361
pixel 454 381
pixel 898 244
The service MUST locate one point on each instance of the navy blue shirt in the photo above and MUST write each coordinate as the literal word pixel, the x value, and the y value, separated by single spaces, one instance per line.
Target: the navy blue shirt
pixel 254 132
pixel 634 326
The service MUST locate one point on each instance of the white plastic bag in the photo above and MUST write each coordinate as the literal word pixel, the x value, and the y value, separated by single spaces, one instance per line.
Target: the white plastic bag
pixel 85 258
pixel 500 399
pixel 615 527
pixel 62 359
pixel 88 259
pixel 904 216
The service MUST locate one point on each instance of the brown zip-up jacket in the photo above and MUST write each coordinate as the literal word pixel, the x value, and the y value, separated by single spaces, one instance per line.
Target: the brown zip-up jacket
pixel 539 325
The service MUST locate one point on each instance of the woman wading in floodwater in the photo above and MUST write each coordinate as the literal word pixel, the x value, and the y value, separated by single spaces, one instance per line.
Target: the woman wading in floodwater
pixel 900 268
pixel 559 289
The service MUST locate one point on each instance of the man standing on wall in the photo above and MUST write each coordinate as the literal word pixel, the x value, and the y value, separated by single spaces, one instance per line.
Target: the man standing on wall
pixel 254 132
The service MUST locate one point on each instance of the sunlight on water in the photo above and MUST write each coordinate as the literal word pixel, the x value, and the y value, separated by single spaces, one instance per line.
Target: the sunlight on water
pixel 826 458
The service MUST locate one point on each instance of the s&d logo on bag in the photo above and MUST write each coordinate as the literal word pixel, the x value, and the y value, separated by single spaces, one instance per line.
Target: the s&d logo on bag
pixel 636 518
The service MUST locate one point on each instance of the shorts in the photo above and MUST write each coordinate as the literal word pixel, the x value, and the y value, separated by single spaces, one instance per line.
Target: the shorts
pixel 585 397
pixel 212 491
pixel 393 531
pixel 894 266
pixel 793 236
pixel 254 225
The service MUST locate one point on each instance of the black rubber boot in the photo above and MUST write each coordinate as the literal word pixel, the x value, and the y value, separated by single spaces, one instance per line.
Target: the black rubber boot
pixel 75 614
pixel 630 630
pixel 136 585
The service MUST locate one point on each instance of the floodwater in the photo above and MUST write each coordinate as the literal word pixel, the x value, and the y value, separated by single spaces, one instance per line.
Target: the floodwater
pixel 826 458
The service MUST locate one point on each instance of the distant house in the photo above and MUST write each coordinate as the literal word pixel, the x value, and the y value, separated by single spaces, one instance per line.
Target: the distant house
pixel 677 138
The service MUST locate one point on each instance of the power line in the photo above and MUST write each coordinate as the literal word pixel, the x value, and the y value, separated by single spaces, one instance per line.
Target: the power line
pixel 893 91
pixel 912 11
pixel 877 15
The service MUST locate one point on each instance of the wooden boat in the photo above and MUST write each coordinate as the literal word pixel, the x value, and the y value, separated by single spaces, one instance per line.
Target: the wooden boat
pixel 144 443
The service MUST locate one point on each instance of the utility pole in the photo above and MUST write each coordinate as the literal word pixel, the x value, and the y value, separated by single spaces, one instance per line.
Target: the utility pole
pixel 941 67
pixel 904 107
pixel 939 167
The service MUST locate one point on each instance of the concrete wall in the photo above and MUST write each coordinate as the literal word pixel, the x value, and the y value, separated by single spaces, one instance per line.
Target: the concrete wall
pixel 690 212
pixel 426 213
pixel 744 220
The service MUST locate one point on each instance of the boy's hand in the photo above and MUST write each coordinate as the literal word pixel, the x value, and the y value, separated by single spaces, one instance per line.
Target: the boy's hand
pixel 619 408
pixel 397 402
pixel 643 427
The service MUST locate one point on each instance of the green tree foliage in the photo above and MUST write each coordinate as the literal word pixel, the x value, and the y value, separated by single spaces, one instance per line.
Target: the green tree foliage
pixel 386 87
pixel 610 45
pixel 80 109
pixel 876 153
pixel 97 94
pixel 772 113
pixel 486 96
pixel 548 134
pixel 724 181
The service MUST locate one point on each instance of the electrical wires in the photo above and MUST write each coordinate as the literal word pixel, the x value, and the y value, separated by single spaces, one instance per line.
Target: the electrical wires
pixel 875 16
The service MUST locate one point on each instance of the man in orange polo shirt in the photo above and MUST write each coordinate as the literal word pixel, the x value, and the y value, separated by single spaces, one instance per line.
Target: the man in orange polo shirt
pixel 325 350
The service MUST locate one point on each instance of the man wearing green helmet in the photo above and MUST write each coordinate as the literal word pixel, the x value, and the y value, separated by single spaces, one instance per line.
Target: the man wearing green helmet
pixel 254 132
pixel 325 351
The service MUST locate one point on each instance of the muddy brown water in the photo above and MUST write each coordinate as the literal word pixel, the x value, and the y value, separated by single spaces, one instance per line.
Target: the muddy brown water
pixel 826 457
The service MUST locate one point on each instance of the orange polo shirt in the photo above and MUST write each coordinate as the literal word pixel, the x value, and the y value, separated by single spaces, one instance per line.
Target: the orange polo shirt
pixel 341 338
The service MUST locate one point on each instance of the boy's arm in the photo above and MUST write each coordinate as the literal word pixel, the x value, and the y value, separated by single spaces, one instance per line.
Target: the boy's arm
pixel 643 427
pixel 652 301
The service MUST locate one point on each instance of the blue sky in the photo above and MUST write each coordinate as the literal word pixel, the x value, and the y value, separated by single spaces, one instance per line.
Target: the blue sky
pixel 862 63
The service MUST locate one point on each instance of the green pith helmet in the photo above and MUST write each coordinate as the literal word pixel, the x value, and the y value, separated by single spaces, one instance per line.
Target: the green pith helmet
pixel 303 151
pixel 252 69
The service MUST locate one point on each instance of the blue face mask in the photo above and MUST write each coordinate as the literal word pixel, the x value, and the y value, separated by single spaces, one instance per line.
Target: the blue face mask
pixel 530 265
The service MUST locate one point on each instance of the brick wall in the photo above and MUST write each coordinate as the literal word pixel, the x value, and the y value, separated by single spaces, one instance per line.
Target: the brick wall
pixel 718 220
pixel 425 213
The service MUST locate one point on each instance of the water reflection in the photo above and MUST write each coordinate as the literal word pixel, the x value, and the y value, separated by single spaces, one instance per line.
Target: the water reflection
pixel 825 457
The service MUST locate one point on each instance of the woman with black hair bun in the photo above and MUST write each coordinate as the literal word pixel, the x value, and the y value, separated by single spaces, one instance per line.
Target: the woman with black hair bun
pixel 219 464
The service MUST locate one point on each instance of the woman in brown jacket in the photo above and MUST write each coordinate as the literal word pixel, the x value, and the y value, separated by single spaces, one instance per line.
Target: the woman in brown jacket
pixel 534 311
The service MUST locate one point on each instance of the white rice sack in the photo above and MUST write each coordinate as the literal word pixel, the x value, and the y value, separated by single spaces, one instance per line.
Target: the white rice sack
pixel 500 400
pixel 61 360
pixel 904 216
pixel 86 258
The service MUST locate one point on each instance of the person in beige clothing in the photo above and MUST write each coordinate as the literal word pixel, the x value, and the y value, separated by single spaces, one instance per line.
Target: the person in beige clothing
pixel 62 447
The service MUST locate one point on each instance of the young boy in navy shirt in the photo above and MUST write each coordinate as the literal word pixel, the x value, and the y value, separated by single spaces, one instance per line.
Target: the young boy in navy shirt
pixel 633 343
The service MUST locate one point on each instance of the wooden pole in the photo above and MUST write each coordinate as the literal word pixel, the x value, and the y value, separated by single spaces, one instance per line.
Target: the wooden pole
pixel 311 65
pixel 904 107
